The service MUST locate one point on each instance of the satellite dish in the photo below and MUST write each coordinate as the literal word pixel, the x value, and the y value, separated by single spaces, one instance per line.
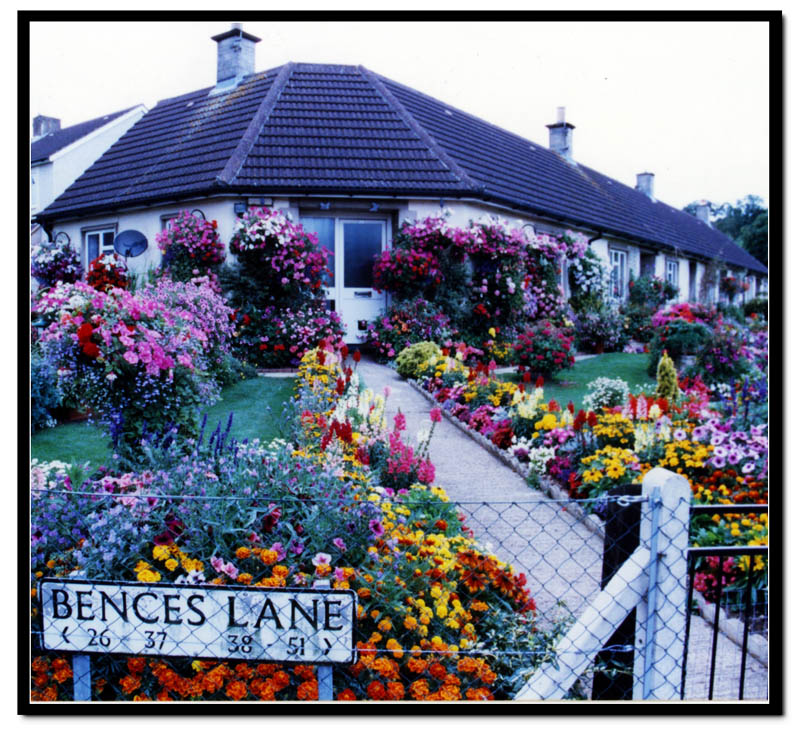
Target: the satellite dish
pixel 130 243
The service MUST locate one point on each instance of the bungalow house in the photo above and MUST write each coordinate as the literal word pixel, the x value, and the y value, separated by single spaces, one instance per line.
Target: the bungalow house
pixel 352 154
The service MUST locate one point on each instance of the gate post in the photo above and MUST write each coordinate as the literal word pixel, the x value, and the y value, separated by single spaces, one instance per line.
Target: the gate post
pixel 620 541
pixel 661 617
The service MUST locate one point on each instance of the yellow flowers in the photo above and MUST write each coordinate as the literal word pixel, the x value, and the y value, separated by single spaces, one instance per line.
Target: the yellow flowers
pixel 548 422
pixel 145 573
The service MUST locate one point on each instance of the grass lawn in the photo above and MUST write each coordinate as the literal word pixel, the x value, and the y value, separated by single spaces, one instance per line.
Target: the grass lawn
pixel 256 405
pixel 571 385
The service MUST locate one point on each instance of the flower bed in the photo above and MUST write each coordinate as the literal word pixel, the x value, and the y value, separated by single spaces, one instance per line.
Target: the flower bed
pixel 345 497
pixel 588 453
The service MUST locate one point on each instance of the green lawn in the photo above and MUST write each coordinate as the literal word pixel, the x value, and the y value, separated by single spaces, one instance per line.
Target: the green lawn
pixel 571 385
pixel 256 405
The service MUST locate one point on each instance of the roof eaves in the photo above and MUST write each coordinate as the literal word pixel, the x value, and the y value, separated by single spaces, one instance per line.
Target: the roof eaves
pixel 243 148
pixel 426 138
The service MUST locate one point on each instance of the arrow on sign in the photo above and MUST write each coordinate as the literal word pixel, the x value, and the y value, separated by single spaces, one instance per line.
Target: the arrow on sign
pixel 64 634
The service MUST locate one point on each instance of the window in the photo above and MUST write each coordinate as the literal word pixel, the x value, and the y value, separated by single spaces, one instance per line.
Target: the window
pixel 619 272
pixel 672 272
pixel 98 243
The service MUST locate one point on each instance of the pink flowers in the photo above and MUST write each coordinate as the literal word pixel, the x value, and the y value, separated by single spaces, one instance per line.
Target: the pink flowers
pixel 399 422
pixel 436 414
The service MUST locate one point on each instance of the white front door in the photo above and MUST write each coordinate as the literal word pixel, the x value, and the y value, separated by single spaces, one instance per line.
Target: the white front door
pixel 355 242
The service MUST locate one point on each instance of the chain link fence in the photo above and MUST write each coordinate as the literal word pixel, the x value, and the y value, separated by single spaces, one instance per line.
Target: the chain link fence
pixel 448 601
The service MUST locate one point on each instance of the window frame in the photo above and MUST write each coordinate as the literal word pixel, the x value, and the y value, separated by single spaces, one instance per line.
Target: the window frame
pixel 622 276
pixel 675 264
pixel 98 230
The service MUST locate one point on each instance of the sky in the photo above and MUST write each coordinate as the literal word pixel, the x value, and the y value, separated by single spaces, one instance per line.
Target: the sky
pixel 687 101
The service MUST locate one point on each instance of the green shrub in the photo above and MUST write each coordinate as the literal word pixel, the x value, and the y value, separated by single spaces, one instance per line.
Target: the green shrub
pixel 638 321
pixel 651 291
pixel 678 338
pixel 758 306
pixel 409 359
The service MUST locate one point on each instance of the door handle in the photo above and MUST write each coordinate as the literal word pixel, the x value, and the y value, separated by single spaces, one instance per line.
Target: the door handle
pixel 362 294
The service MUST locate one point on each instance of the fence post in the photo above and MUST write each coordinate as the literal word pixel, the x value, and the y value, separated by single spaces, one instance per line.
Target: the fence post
pixel 621 539
pixel 81 677
pixel 661 617
pixel 324 672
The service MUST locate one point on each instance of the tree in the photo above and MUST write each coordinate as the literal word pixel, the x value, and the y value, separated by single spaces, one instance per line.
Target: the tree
pixel 746 223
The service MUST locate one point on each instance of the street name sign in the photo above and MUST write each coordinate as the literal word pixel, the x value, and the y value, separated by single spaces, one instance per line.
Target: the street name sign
pixel 215 622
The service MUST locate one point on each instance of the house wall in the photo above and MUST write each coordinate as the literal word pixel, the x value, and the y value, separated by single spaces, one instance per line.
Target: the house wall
pixel 149 221
pixel 67 165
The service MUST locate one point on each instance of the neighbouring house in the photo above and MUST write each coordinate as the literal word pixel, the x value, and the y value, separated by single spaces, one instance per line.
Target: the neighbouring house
pixel 352 154
pixel 60 155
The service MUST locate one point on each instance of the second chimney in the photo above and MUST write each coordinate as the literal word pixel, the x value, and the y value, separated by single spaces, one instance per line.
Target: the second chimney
pixel 236 54
pixel 42 125
pixel 644 183
pixel 703 212
pixel 561 135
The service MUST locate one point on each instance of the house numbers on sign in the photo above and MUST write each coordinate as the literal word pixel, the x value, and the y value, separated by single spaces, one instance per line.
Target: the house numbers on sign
pixel 215 622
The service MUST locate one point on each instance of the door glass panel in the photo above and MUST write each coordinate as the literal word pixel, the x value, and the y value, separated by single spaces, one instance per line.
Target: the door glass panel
pixel 108 241
pixel 324 228
pixel 362 243
pixel 92 246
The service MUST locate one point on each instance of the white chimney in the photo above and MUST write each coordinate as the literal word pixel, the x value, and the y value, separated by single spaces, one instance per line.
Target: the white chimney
pixel 236 55
pixel 704 211
pixel 644 183
pixel 561 135
pixel 42 125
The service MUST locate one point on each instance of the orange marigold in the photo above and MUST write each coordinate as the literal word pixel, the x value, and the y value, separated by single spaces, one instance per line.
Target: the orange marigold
pixel 130 683
pixel 242 553
pixel 308 691
pixel 395 647
pixel 39 665
pixel 280 679
pixel 136 665
pixel 266 669
pixel 376 691
pixel 236 690
pixel 346 695
pixel 387 668
pixel 479 694
pixel 163 695
pixel 385 625
pixel 417 665
pixel 305 672
pixel 437 670
pixel 268 557
pixel 419 689
pixel 245 578
pixel 62 674
pixel 395 691
pixel 244 671
pixel 363 593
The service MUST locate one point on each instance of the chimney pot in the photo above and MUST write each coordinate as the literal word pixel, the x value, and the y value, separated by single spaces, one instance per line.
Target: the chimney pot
pixel 644 183
pixel 42 125
pixel 236 55
pixel 561 135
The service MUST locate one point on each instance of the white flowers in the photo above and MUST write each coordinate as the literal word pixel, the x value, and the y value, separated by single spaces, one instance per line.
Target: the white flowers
pixel 605 392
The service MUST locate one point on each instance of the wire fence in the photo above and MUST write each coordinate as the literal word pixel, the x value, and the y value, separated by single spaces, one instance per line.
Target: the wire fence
pixel 163 597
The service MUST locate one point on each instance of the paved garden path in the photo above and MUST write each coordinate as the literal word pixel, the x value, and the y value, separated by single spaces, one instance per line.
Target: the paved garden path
pixel 560 557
